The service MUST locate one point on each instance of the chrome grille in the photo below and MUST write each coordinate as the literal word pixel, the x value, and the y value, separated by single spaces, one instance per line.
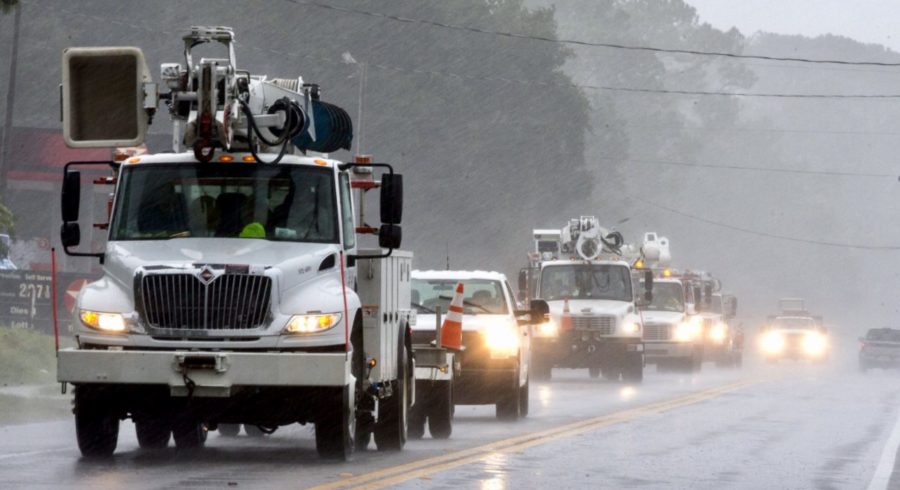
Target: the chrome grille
pixel 657 331
pixel 185 302
pixel 605 325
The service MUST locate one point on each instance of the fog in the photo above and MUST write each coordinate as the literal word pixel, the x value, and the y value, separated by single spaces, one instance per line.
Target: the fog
pixel 499 135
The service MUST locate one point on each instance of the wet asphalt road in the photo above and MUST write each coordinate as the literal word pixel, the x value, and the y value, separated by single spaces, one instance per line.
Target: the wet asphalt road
pixel 792 425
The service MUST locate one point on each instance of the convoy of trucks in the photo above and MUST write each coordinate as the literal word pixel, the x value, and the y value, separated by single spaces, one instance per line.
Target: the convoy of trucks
pixel 237 288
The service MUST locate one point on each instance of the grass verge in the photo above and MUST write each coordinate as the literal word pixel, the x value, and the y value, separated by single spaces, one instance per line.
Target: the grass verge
pixel 19 409
pixel 26 357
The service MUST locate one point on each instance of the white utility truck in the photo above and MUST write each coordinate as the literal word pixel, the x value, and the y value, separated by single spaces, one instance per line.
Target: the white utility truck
pixel 594 318
pixel 234 288
pixel 673 331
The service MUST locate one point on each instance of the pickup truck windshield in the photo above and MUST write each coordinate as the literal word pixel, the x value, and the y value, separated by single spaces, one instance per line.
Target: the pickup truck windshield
pixel 794 323
pixel 284 202
pixel 667 296
pixel 480 296
pixel 586 281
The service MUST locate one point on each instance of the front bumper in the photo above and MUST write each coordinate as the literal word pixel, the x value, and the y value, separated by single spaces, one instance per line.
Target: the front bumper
pixel 572 350
pixel 656 351
pixel 213 374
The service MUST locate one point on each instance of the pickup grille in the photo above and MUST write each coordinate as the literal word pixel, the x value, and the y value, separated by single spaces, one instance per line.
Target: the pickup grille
pixel 605 325
pixel 657 331
pixel 185 302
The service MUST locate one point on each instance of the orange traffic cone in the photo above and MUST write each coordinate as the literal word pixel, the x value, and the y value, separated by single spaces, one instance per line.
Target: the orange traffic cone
pixel 451 330
pixel 566 319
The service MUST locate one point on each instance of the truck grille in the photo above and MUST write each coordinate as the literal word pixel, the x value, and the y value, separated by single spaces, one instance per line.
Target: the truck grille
pixel 657 331
pixel 185 302
pixel 605 325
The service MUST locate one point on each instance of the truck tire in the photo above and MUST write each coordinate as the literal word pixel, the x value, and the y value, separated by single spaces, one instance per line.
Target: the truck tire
pixel 153 432
pixel 523 399
pixel 96 425
pixel 253 430
pixel 188 433
pixel 418 414
pixel 365 403
pixel 594 371
pixel 440 410
pixel 336 425
pixel 391 429
pixel 229 430
pixel 696 363
pixel 508 408
pixel 634 370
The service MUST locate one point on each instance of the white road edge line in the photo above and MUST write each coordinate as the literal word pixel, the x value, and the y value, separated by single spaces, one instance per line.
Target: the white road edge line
pixel 32 453
pixel 885 468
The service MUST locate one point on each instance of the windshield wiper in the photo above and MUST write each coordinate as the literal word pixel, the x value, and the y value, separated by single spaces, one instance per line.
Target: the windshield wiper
pixel 469 303
pixel 421 307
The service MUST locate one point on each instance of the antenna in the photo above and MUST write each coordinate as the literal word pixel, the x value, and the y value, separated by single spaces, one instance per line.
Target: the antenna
pixel 447 245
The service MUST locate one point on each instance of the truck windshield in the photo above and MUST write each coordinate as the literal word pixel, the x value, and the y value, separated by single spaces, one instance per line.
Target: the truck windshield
pixel 480 296
pixel 283 202
pixel 667 296
pixel 586 281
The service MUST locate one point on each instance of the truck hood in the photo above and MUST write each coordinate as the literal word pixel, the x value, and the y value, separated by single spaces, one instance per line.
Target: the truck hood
pixel 663 317
pixel 591 307
pixel 470 323
pixel 295 262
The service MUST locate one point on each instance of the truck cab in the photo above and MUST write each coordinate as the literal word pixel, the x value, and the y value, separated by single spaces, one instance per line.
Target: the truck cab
pixel 594 322
pixel 234 288
pixel 673 332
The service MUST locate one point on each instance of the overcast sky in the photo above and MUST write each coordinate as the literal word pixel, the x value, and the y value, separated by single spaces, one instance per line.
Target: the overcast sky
pixel 870 21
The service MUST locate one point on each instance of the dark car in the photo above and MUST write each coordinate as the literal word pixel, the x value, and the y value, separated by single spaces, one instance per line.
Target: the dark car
pixel 880 348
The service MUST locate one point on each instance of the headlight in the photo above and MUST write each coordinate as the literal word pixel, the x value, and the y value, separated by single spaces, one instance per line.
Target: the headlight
pixel 305 324
pixel 773 343
pixel 502 339
pixel 547 329
pixel 814 344
pixel 686 332
pixel 631 327
pixel 105 322
pixel 719 333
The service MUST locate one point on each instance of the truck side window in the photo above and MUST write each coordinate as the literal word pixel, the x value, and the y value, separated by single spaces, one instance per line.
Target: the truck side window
pixel 347 213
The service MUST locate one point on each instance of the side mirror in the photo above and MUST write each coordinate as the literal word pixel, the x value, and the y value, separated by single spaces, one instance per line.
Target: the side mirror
pixel 648 286
pixel 389 236
pixel 539 311
pixel 391 199
pixel 70 234
pixel 730 306
pixel 71 196
pixel 707 294
pixel 698 298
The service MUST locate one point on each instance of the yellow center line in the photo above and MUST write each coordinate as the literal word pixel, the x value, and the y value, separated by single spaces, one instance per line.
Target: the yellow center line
pixel 429 466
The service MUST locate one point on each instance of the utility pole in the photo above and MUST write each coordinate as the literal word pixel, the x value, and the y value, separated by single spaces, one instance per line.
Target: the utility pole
pixel 8 5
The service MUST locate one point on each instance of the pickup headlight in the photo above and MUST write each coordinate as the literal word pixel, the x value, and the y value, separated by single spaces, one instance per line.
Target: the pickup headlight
pixel 306 324
pixel 501 339
pixel 105 322
pixel 773 343
pixel 814 344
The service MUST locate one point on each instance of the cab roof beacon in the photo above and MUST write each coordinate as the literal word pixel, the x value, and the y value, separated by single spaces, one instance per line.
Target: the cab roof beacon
pixel 109 99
